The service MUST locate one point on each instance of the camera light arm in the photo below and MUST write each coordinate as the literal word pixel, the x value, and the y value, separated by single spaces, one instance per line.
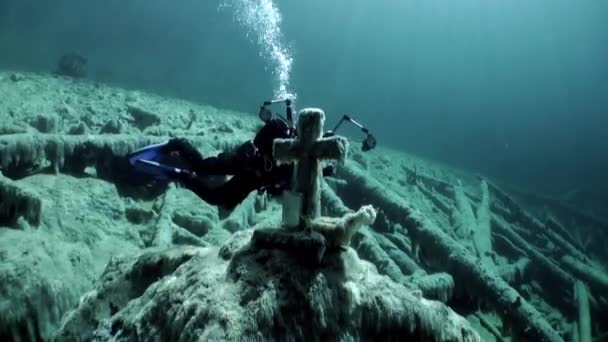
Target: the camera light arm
pixel 368 143
pixel 266 114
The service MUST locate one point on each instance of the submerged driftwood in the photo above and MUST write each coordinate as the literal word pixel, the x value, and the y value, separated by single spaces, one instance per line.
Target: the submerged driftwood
pixel 453 257
pixel 21 154
pixel 393 255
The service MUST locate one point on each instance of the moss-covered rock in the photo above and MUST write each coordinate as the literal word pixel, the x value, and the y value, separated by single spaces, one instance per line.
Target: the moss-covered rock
pixel 191 294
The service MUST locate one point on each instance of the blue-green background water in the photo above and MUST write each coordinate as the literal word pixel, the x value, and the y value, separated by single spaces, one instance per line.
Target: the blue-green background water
pixel 516 89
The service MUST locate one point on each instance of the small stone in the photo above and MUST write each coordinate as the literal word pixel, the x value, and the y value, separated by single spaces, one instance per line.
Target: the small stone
pixel 80 129
pixel 232 225
pixel 46 123
pixel 16 77
pixel 111 127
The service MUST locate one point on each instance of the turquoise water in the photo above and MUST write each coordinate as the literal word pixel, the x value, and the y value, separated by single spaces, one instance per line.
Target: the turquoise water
pixel 501 108
pixel 515 89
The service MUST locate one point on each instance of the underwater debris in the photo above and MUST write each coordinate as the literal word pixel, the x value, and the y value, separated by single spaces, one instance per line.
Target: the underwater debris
pixel 454 258
pixel 71 65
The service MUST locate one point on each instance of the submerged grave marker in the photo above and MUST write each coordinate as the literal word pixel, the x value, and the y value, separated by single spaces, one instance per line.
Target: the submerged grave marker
pixel 302 205
pixel 306 151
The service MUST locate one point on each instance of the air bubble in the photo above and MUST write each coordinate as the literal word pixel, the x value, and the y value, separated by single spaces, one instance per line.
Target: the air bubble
pixel 263 18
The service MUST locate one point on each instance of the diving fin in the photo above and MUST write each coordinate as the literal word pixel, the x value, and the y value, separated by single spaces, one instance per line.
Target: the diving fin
pixel 159 170
pixel 155 160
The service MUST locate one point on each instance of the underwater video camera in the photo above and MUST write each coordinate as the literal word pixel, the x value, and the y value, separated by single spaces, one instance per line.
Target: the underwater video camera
pixel 265 114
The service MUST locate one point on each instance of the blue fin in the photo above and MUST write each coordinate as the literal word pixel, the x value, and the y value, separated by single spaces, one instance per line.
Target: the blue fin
pixel 153 161
pixel 151 152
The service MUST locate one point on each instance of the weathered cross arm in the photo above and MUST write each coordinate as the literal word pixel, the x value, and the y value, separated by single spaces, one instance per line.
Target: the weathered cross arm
pixel 324 150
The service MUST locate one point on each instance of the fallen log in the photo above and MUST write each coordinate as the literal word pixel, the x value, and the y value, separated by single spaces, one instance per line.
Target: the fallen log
pixel 533 253
pixel 438 286
pixel 552 223
pixel 515 213
pixel 71 153
pixel 454 258
pixel 437 201
pixel 406 264
pixel 490 327
pixel 593 276
pixel 567 247
pixel 435 184
pixel 584 314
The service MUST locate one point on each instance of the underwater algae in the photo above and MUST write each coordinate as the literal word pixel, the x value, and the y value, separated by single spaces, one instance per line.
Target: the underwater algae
pixel 157 263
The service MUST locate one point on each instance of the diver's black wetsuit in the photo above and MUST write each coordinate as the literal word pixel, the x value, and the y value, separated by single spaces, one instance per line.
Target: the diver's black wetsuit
pixel 251 166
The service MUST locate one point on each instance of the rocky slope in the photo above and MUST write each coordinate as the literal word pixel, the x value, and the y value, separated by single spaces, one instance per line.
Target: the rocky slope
pixel 85 254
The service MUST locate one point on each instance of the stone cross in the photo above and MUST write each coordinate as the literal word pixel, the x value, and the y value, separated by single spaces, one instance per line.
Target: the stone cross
pixel 307 151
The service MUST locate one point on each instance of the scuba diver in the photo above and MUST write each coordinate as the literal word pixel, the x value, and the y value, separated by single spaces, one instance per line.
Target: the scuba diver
pixel 251 165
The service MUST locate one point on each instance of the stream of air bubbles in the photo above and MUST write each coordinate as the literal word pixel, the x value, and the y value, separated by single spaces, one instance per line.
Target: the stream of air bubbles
pixel 262 20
